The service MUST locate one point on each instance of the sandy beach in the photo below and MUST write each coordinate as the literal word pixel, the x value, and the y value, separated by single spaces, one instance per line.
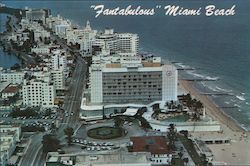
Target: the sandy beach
pixel 211 108
pixel 237 152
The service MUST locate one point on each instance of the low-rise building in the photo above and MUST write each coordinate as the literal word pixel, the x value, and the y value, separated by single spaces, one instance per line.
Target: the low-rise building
pixel 41 50
pixel 9 136
pixel 9 91
pixel 11 128
pixel 117 158
pixel 12 76
pixel 156 145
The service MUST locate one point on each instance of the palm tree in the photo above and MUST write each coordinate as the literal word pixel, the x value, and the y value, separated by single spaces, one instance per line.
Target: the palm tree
pixel 172 135
pixel 185 160
pixel 69 131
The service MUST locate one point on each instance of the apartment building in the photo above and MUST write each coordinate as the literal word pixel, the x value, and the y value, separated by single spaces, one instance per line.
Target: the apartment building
pixel 38 93
pixel 12 76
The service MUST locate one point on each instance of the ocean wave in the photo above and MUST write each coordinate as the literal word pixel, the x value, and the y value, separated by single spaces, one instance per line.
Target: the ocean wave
pixel 237 105
pixel 182 65
pixel 233 100
pixel 239 110
pixel 241 98
pixel 212 78
pixel 196 74
pixel 222 89
pixel 226 102
pixel 247 103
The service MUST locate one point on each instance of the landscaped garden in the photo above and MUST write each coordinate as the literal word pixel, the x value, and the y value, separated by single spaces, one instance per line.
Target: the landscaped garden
pixel 106 132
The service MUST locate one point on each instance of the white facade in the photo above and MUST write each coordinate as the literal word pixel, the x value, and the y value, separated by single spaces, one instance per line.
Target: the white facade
pixel 58 60
pixel 9 91
pixel 41 50
pixel 58 79
pixel 38 93
pixel 128 43
pixel 62 27
pixel 161 159
pixel 169 83
pixel 124 43
pixel 13 77
pixel 9 136
pixel 96 85
pixel 88 38
pixel 11 128
pixel 41 34
pixel 132 81
pixel 108 38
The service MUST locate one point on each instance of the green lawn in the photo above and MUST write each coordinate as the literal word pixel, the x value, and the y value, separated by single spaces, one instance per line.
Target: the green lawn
pixel 106 132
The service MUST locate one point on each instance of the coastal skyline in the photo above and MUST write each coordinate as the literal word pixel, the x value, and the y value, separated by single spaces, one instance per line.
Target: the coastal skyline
pixel 179 44
pixel 171 90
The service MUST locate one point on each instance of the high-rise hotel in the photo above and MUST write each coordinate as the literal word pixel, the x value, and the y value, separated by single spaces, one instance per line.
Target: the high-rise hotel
pixel 132 80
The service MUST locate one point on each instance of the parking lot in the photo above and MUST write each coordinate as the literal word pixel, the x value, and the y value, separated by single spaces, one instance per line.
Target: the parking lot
pixel 43 120
pixel 132 129
pixel 95 146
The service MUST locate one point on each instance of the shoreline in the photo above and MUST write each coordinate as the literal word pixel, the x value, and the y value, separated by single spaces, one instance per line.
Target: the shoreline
pixel 211 107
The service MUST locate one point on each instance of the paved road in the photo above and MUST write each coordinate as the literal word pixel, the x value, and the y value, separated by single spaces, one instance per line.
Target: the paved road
pixel 30 156
pixel 72 102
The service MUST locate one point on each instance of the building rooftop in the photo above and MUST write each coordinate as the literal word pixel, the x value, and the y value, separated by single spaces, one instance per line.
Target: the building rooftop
pixel 152 144
pixel 10 89
pixel 104 159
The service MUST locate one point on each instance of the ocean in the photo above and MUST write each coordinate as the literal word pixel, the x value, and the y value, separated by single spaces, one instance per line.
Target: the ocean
pixel 218 46
pixel 6 60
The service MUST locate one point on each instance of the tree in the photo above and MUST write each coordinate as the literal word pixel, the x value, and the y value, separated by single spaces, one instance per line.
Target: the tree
pixel 69 131
pixel 172 135
pixel 180 154
pixel 185 160
pixel 118 121
pixel 50 143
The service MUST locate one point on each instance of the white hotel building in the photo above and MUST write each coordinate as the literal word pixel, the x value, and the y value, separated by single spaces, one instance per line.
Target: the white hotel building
pixel 133 81
pixel 38 93
pixel 126 43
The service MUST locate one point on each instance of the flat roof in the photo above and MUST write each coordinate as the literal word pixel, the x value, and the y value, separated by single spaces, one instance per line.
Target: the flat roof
pixel 152 144
pixel 10 89
pixel 114 159
pixel 130 111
